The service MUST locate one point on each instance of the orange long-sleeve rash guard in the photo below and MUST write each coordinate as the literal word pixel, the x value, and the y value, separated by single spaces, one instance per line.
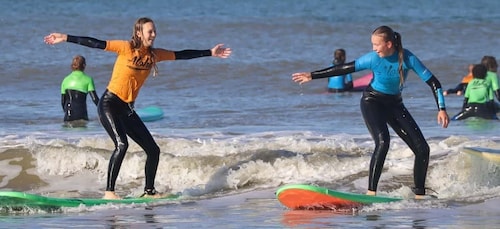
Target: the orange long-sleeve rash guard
pixel 132 67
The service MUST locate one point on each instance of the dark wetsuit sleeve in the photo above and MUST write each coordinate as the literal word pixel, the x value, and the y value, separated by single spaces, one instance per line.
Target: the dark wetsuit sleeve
pixel 464 105
pixel 63 100
pixel 87 41
pixel 94 97
pixel 190 54
pixel 435 85
pixel 336 70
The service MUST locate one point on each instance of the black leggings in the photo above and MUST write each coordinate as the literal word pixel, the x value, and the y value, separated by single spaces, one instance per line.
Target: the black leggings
pixel 119 119
pixel 380 109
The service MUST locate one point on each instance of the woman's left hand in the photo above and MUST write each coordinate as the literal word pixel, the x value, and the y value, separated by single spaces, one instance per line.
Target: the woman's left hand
pixel 443 118
pixel 219 51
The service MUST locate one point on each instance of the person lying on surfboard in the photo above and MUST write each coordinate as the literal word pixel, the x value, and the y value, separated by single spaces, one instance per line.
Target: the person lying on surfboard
pixel 460 88
pixel 135 60
pixel 478 99
pixel 382 104
pixel 339 83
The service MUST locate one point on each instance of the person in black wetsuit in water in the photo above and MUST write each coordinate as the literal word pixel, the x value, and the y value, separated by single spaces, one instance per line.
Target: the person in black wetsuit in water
pixel 74 90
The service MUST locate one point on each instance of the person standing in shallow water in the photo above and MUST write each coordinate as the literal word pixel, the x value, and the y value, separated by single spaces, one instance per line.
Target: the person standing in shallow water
pixel 135 60
pixel 382 104
pixel 74 90
pixel 339 83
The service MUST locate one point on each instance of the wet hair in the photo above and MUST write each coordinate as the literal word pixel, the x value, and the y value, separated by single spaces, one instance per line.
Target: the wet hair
pixel 136 41
pixel 78 63
pixel 390 35
pixel 490 63
pixel 339 56
pixel 479 71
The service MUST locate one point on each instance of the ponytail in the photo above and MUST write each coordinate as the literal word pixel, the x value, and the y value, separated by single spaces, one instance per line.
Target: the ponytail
pixel 399 48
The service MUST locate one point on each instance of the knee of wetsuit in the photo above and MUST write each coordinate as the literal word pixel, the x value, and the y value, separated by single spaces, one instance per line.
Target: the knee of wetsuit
pixel 154 151
pixel 122 146
pixel 383 140
pixel 423 149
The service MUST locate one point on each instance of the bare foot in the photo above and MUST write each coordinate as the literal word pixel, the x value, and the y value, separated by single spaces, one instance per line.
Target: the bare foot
pixel 371 193
pixel 110 195
pixel 156 195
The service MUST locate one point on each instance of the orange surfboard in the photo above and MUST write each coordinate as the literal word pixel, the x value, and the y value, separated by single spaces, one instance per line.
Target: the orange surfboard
pixel 308 197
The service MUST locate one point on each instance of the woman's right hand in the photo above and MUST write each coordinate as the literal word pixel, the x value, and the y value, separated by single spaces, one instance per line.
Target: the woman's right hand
pixel 55 38
pixel 301 77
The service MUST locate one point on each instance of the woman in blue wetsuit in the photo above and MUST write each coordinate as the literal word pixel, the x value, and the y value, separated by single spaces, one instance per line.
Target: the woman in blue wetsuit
pixel 339 83
pixel 382 104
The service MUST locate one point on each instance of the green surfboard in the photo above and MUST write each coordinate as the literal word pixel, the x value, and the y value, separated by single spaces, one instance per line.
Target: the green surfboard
pixel 302 196
pixel 21 199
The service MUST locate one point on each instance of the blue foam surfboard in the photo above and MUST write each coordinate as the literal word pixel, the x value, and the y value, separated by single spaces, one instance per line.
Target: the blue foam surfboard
pixel 150 113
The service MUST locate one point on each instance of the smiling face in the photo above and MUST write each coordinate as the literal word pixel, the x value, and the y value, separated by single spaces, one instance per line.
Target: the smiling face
pixel 147 34
pixel 382 47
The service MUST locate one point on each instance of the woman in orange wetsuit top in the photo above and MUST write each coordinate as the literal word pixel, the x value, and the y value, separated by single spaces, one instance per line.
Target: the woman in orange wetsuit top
pixel 135 60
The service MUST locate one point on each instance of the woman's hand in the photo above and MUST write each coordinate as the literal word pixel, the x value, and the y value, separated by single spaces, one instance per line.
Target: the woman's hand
pixel 219 51
pixel 55 38
pixel 443 118
pixel 301 77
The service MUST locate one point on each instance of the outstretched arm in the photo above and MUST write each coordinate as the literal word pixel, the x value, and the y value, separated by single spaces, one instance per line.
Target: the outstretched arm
pixel 217 51
pixel 341 69
pixel 435 85
pixel 55 38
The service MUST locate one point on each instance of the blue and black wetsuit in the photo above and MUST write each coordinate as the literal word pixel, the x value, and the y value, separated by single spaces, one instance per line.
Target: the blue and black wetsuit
pixel 382 105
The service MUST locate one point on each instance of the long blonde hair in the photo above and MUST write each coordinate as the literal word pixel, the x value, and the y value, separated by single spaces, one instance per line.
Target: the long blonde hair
pixel 389 35
pixel 136 41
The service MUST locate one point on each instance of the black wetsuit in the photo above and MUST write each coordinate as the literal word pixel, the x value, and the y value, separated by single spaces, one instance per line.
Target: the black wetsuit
pixel 74 90
pixel 74 104
pixel 119 119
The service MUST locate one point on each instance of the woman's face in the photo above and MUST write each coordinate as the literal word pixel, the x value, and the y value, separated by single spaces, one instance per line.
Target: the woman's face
pixel 381 47
pixel 148 34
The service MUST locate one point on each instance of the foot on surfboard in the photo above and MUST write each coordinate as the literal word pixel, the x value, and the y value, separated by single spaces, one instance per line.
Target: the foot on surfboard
pixel 425 197
pixel 110 195
pixel 420 194
pixel 152 193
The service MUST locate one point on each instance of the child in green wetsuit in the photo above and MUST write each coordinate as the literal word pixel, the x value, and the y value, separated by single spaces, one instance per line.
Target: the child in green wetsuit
pixel 74 90
pixel 478 98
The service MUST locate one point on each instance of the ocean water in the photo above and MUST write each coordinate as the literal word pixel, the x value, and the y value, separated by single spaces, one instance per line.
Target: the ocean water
pixel 237 129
